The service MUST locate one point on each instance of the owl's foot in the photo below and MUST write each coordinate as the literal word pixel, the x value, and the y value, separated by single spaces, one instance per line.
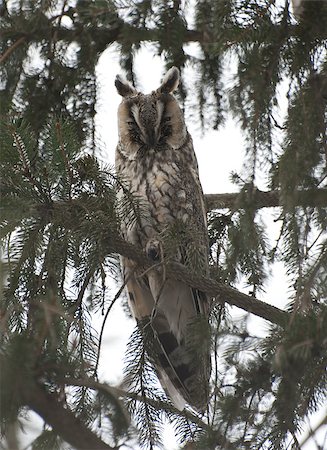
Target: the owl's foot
pixel 153 250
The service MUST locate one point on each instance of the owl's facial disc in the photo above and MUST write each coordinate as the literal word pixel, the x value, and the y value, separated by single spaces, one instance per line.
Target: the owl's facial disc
pixel 148 117
pixel 151 121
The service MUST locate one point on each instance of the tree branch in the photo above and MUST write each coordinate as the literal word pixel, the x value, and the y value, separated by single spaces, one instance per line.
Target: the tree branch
pixel 118 392
pixel 313 431
pixel 62 420
pixel 115 244
pixel 125 33
pixel 216 289
pixel 225 293
pixel 10 49
pixel 262 199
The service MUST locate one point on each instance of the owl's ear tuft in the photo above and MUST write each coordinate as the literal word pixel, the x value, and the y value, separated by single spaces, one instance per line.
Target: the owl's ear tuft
pixel 124 88
pixel 170 82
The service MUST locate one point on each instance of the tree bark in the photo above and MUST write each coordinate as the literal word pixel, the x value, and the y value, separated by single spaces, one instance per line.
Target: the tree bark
pixel 62 420
pixel 262 199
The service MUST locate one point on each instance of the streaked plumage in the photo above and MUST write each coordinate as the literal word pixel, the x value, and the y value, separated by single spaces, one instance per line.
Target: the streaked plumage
pixel 298 7
pixel 155 158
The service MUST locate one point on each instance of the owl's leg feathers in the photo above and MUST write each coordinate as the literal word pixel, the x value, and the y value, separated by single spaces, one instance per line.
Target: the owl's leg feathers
pixel 139 295
pixel 157 273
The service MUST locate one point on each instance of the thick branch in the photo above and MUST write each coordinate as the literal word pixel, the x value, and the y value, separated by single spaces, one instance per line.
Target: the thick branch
pixel 62 420
pixel 125 33
pixel 261 199
pixel 118 392
pixel 214 288
pixel 225 293
pixel 115 244
pixel 121 32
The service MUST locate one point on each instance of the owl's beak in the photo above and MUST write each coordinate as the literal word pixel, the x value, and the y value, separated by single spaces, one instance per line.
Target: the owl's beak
pixel 151 138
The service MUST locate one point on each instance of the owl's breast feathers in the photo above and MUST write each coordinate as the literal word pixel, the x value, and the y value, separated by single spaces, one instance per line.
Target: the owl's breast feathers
pixel 165 180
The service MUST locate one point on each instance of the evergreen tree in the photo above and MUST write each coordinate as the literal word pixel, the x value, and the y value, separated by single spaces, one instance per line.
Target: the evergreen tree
pixel 60 221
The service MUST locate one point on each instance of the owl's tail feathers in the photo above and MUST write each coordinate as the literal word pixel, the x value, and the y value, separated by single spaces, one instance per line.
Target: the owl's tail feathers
pixel 183 371
pixel 177 399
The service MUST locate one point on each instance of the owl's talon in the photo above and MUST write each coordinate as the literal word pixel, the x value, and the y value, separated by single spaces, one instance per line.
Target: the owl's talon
pixel 153 254
pixel 153 250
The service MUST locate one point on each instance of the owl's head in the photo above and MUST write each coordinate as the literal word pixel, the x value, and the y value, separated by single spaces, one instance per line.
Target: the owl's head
pixel 150 121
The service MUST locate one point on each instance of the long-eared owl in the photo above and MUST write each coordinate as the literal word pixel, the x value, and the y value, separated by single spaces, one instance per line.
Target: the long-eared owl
pixel 156 160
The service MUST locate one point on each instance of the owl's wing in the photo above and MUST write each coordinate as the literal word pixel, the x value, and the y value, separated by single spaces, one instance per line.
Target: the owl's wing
pixel 180 325
pixel 172 308
pixel 180 317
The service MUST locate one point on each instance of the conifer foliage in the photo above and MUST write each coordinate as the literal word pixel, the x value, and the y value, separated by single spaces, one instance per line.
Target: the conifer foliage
pixel 60 221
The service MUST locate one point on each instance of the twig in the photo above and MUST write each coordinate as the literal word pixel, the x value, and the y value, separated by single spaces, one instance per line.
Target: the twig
pixel 118 294
pixel 313 431
pixel 154 266
pixel 248 415
pixel 66 162
pixel 9 50
pixel 81 293
pixel 92 384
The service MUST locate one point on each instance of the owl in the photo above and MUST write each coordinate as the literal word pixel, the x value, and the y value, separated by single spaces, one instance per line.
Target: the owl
pixel 156 161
